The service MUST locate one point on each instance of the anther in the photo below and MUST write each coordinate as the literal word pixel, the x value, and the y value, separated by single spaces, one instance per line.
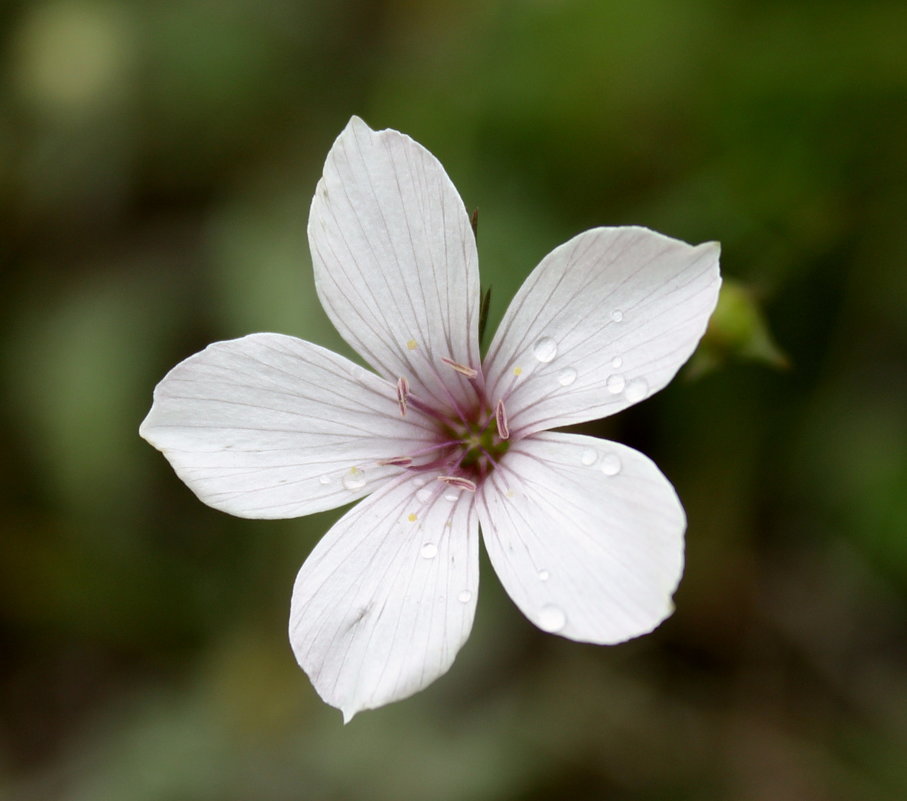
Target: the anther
pixel 460 368
pixel 459 481
pixel 401 461
pixel 402 392
pixel 500 417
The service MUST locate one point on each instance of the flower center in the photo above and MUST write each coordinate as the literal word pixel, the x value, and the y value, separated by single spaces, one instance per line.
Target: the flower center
pixel 468 444
pixel 479 448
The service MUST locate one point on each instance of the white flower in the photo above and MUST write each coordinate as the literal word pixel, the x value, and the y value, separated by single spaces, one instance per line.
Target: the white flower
pixel 586 535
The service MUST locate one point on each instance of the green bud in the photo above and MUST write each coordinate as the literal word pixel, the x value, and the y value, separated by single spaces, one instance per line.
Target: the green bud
pixel 737 331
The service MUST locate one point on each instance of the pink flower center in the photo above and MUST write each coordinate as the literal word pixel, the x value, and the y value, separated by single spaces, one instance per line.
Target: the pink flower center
pixel 468 443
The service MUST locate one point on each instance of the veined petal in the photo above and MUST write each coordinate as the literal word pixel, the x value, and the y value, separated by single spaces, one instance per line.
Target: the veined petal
pixel 387 597
pixel 269 426
pixel 586 536
pixel 604 321
pixel 395 260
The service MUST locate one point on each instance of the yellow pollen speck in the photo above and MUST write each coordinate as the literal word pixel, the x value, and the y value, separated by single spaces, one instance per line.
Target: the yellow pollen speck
pixel 517 370
pixel 509 493
pixel 411 517
pixel 412 344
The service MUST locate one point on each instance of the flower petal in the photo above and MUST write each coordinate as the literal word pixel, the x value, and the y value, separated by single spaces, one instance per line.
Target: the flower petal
pixel 586 536
pixel 605 320
pixel 387 597
pixel 269 426
pixel 395 260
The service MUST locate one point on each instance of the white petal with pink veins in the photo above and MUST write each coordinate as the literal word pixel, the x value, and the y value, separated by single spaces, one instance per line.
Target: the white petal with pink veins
pixel 603 322
pixel 269 426
pixel 586 536
pixel 387 597
pixel 395 260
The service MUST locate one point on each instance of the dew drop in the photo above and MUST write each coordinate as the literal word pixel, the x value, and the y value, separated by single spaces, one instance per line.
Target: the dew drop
pixel 544 575
pixel 464 597
pixel 637 389
pixel 429 550
pixel 611 464
pixel 324 480
pixel 451 496
pixel 354 479
pixel 552 618
pixel 545 350
pixel 588 457
pixel 566 376
pixel 420 481
pixel 615 384
pixel 616 362
pixel 617 315
pixel 423 495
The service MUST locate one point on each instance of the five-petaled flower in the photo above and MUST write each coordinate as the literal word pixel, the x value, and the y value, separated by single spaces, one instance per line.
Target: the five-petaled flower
pixel 586 535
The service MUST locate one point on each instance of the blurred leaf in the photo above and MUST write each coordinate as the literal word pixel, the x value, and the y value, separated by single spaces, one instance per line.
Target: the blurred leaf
pixel 73 57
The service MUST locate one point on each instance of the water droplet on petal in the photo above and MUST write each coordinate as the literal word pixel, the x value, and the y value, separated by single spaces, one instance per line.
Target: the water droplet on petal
pixel 544 575
pixel 464 597
pixel 615 384
pixel 354 479
pixel 588 457
pixel 545 350
pixel 429 550
pixel 637 389
pixel 420 481
pixel 423 495
pixel 324 480
pixel 552 618
pixel 611 464
pixel 566 376
pixel 616 362
pixel 617 315
pixel 451 496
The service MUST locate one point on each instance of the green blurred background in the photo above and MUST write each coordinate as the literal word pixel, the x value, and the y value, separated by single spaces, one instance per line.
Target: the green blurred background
pixel 157 160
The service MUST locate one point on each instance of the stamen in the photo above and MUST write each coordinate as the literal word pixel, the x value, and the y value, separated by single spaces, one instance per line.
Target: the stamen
pixel 402 461
pixel 500 417
pixel 459 481
pixel 460 368
pixel 402 392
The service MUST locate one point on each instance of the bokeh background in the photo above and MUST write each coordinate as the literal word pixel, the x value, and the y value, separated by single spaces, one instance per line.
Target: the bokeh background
pixel 157 160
